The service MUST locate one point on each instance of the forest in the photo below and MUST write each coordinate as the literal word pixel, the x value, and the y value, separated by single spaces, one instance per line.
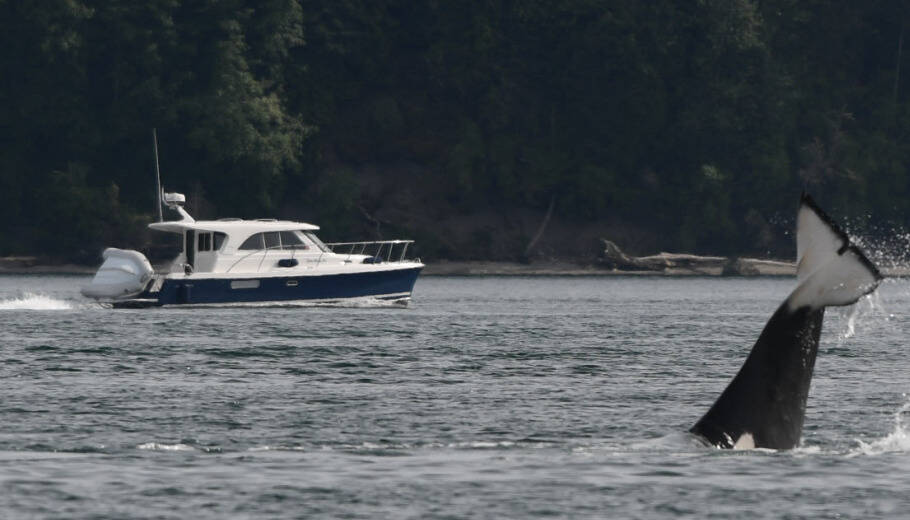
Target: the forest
pixel 474 127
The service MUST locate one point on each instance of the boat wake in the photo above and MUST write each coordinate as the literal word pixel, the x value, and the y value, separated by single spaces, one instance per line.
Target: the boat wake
pixel 37 302
pixel 353 303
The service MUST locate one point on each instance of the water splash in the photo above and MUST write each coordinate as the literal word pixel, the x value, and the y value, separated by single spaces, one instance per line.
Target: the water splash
pixel 890 247
pixel 850 329
pixel 898 441
pixel 154 446
pixel 807 451
pixel 868 308
pixel 37 302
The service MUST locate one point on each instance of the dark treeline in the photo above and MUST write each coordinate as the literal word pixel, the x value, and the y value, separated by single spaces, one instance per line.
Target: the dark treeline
pixel 683 125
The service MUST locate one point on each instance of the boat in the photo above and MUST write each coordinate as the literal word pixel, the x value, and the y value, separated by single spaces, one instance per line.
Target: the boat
pixel 232 261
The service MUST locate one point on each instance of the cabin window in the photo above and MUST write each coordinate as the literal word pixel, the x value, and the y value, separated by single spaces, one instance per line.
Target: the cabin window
pixel 269 240
pixel 219 240
pixel 254 242
pixel 272 241
pixel 204 242
pixel 290 240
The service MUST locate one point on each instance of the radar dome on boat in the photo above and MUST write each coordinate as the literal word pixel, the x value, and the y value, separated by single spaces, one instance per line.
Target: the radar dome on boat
pixel 174 199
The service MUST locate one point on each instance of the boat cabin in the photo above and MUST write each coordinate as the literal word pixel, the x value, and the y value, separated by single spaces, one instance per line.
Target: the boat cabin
pixel 238 246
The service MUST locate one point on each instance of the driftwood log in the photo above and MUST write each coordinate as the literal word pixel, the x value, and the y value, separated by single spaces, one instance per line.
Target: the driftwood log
pixel 615 258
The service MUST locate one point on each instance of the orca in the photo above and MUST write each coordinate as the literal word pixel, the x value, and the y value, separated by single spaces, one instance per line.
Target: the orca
pixel 764 406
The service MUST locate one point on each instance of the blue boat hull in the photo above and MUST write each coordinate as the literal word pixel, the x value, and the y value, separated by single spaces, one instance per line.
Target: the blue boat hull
pixel 391 284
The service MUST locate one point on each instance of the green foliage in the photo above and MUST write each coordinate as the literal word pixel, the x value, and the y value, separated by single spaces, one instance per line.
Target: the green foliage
pixel 696 121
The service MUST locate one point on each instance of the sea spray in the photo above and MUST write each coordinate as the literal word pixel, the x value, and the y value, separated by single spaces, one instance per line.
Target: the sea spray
pixel 37 302
pixel 869 312
pixel 896 441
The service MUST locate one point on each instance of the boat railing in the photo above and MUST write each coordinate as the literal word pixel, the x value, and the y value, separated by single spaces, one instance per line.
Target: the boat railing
pixel 379 250
pixel 388 251
pixel 263 252
pixel 251 253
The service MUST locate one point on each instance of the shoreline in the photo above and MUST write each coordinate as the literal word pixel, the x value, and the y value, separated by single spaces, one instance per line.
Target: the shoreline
pixel 33 266
pixel 450 268
pixel 565 268
pixel 759 268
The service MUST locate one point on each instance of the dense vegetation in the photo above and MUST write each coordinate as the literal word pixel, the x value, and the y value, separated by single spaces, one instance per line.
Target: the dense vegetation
pixel 685 125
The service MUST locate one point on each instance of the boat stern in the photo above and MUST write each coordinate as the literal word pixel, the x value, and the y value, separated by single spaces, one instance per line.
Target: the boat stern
pixel 124 274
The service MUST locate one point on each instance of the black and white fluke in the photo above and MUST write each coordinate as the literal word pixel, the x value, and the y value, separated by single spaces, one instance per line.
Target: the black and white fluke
pixel 765 404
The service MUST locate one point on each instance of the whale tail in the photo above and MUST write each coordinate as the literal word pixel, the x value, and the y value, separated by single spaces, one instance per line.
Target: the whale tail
pixel 764 406
pixel 830 270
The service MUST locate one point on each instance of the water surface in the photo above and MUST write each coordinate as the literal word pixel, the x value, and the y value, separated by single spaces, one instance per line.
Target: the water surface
pixel 492 397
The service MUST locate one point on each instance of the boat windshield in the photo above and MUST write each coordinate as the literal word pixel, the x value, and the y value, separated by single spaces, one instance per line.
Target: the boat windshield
pixel 313 238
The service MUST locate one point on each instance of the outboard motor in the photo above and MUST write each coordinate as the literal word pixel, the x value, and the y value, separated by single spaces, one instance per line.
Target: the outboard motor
pixel 124 274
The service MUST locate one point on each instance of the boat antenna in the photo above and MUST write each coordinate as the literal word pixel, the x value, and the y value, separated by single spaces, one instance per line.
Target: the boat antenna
pixel 157 174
